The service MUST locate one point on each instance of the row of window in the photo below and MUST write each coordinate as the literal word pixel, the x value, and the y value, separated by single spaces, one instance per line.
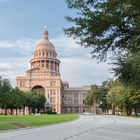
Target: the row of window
pixel 72 101
pixel 52 92
pixel 52 66
pixel 48 54
pixel 75 95
pixel 52 83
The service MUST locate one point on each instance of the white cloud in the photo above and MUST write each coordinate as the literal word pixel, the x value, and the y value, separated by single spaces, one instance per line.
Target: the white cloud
pixel 4 66
pixel 76 65
pixel 84 71
pixel 67 47
pixel 63 41
pixel 24 43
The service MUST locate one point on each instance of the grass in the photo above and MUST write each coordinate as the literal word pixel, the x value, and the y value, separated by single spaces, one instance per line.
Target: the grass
pixel 138 116
pixel 131 116
pixel 14 122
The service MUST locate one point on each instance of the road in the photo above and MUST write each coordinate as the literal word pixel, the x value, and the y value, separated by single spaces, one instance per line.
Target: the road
pixel 94 127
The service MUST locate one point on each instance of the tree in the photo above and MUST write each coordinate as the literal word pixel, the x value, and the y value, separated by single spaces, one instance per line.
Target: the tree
pixel 127 69
pixel 5 90
pixel 135 100
pixel 103 92
pixel 97 96
pixel 92 95
pixel 124 99
pixel 36 100
pixel 41 101
pixel 17 100
pixel 107 25
pixel 115 98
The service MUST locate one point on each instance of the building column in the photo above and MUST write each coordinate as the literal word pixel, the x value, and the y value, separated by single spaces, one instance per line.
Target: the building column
pixel 52 65
pixel 35 64
pixel 58 68
pixel 31 65
pixel 45 63
pixel 49 65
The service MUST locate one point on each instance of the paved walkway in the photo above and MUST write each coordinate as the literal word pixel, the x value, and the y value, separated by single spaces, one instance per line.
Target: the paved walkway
pixel 85 128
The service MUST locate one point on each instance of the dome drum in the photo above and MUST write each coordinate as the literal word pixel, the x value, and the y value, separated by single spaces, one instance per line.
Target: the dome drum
pixel 45 54
pixel 44 59
pixel 49 65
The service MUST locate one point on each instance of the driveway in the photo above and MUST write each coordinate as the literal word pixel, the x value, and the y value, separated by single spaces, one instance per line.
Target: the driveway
pixel 88 127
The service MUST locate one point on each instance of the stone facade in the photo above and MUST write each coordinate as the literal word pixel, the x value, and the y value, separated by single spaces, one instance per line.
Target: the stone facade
pixel 44 75
pixel 73 99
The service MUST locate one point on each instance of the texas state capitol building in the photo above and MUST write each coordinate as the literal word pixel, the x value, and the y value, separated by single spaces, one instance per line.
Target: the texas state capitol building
pixel 44 76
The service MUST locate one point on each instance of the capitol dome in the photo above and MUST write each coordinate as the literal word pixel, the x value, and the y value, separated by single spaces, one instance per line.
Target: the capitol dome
pixel 44 43
pixel 45 56
pixel 44 48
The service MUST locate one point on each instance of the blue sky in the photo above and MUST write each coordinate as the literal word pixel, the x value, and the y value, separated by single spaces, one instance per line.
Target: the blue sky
pixel 21 26
pixel 20 18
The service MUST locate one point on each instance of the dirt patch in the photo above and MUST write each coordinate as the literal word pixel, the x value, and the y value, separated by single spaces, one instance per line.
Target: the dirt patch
pixel 20 124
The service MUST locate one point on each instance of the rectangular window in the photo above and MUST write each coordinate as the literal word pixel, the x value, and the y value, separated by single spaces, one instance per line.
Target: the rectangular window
pixel 50 91
pixel 52 83
pixel 22 84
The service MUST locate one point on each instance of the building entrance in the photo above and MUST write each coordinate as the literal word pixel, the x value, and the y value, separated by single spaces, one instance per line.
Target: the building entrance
pixel 38 89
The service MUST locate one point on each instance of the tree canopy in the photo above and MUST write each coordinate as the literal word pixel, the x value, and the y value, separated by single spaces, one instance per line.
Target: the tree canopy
pixel 113 95
pixel 106 26
pixel 127 69
pixel 97 95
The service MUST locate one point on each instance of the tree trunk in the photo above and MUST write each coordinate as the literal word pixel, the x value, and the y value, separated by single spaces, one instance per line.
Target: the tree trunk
pixel 107 112
pixel 11 111
pixel 38 110
pixel 33 110
pixel 29 111
pixel 94 106
pixel 135 110
pixel 16 111
pixel 121 110
pixel 24 110
pixel 128 111
pixel 113 110
pixel 5 111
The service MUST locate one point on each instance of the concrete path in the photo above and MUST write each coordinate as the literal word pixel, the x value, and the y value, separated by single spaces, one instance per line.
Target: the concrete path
pixel 86 128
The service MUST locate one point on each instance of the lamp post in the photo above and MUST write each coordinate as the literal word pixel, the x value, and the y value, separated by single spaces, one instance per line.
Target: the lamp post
pixel 47 105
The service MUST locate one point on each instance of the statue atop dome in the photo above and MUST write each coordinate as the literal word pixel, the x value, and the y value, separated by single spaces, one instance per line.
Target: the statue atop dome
pixel 46 28
pixel 45 33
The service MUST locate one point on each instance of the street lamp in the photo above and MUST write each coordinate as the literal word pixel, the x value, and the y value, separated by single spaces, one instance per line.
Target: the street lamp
pixel 47 105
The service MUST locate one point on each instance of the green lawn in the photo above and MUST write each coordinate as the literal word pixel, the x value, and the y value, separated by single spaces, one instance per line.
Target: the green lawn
pixel 138 116
pixel 14 122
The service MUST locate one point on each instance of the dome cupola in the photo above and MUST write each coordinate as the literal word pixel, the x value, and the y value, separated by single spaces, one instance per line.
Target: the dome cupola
pixel 44 48
pixel 45 55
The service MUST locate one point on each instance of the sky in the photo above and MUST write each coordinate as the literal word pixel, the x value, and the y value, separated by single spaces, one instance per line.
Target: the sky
pixel 21 25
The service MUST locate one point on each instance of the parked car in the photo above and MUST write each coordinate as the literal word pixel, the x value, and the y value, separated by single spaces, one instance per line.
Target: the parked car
pixel 87 113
